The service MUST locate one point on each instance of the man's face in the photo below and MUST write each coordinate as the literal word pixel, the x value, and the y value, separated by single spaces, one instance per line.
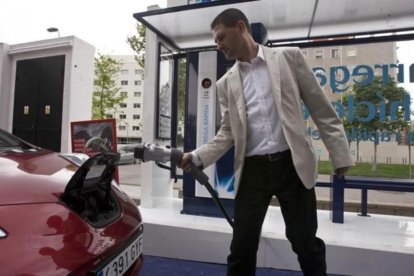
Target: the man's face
pixel 228 40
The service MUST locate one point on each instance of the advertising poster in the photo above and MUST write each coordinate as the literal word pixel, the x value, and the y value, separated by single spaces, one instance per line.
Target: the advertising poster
pixel 94 136
pixel 222 173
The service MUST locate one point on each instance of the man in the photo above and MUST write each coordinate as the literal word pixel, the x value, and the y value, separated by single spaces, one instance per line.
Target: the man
pixel 262 116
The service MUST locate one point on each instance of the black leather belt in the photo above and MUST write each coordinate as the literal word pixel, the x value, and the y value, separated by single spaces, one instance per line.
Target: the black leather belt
pixel 272 157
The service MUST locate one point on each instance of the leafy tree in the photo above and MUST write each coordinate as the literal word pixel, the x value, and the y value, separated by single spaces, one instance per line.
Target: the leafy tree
pixel 137 43
pixel 354 126
pixel 377 107
pixel 106 98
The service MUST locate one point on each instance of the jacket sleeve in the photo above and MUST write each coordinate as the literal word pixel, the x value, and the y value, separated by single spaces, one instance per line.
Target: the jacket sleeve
pixel 323 114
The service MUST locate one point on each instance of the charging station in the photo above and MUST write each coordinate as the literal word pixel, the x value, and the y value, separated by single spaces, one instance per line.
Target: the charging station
pixel 201 119
pixel 202 104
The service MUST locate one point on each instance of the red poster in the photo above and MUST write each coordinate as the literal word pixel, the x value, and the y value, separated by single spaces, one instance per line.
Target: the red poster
pixel 94 136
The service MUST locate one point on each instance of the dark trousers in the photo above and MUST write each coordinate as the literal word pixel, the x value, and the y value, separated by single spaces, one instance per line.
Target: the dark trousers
pixel 261 180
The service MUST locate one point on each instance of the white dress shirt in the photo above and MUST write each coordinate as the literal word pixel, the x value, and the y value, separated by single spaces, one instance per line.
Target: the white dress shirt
pixel 264 128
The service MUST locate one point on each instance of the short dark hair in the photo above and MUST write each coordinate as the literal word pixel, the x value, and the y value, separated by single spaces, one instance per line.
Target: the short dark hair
pixel 229 18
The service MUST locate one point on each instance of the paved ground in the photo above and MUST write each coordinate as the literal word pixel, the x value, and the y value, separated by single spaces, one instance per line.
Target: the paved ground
pixel 157 266
pixel 381 202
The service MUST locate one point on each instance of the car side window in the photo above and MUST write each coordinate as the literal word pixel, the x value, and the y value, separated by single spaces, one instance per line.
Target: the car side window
pixel 8 142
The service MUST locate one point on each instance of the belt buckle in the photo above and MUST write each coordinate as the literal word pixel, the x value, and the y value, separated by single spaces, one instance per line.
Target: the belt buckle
pixel 273 157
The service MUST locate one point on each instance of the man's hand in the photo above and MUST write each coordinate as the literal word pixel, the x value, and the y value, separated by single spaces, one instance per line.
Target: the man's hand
pixel 340 172
pixel 187 156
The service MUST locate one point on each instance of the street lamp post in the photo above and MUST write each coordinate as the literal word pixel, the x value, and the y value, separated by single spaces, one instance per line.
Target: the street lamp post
pixel 53 29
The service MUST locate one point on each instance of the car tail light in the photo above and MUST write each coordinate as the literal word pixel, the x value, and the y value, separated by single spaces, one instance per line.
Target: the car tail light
pixel 89 191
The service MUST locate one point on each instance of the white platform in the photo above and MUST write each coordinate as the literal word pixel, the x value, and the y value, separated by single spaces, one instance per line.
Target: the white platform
pixel 376 245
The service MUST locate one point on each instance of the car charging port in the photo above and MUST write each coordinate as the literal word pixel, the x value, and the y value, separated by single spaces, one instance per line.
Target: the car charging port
pixel 89 191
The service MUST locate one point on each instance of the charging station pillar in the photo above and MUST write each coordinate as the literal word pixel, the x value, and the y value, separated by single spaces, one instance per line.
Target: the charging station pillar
pixel 201 124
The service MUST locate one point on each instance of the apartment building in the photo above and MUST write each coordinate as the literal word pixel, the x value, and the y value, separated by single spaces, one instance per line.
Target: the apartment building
pixel 350 56
pixel 129 114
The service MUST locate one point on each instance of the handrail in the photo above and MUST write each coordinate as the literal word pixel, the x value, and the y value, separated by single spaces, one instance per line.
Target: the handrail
pixel 338 186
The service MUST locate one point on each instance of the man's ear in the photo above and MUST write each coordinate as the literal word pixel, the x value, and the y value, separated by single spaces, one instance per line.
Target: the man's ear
pixel 241 26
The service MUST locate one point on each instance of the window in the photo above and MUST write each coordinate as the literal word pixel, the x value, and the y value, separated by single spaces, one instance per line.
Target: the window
pixel 124 94
pixel 124 82
pixel 318 54
pixel 335 53
pixel 135 128
pixel 136 116
pixel 122 116
pixel 137 105
pixel 124 72
pixel 351 53
pixel 139 71
pixel 137 94
pixel 123 105
pixel 121 127
pixel 109 116
pixel 137 82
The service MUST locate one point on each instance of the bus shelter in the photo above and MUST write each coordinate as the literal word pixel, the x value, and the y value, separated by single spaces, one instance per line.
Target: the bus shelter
pixel 348 44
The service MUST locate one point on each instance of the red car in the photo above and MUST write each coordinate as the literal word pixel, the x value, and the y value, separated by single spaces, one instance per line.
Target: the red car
pixel 60 217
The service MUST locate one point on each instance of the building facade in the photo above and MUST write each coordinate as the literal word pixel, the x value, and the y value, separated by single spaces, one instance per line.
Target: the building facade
pixel 44 86
pixel 128 115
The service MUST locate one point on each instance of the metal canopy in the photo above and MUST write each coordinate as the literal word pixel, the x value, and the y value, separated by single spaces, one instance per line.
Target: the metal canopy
pixel 188 27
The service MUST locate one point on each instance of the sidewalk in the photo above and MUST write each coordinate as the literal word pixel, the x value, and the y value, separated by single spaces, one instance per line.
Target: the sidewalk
pixel 159 266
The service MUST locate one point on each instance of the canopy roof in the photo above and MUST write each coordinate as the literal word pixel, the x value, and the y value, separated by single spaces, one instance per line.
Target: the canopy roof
pixel 287 21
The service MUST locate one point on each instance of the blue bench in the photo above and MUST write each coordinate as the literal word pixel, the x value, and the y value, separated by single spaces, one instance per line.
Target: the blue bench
pixel 339 185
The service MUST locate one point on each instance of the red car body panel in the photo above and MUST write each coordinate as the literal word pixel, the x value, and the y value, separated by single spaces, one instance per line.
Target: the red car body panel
pixel 30 177
pixel 45 237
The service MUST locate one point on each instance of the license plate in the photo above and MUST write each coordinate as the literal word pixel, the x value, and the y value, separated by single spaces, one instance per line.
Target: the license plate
pixel 120 263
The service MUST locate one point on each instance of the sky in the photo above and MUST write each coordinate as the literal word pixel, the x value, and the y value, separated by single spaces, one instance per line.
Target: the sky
pixel 105 24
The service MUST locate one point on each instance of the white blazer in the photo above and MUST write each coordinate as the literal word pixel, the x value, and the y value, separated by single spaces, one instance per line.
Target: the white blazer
pixel 293 82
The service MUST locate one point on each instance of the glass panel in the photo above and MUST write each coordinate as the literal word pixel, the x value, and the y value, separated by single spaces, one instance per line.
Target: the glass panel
pixel 371 91
pixel 165 79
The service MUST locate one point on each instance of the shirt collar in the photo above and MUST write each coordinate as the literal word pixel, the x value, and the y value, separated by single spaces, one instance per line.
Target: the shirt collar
pixel 260 55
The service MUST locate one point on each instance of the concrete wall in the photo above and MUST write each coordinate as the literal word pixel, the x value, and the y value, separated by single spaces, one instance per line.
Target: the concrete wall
pixel 78 80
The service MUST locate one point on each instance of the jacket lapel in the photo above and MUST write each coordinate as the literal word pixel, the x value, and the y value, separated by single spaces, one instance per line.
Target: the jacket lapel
pixel 272 61
pixel 237 92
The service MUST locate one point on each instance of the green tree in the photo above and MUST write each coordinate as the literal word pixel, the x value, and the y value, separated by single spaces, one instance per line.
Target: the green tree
pixel 377 107
pixel 137 44
pixel 106 97
pixel 353 127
